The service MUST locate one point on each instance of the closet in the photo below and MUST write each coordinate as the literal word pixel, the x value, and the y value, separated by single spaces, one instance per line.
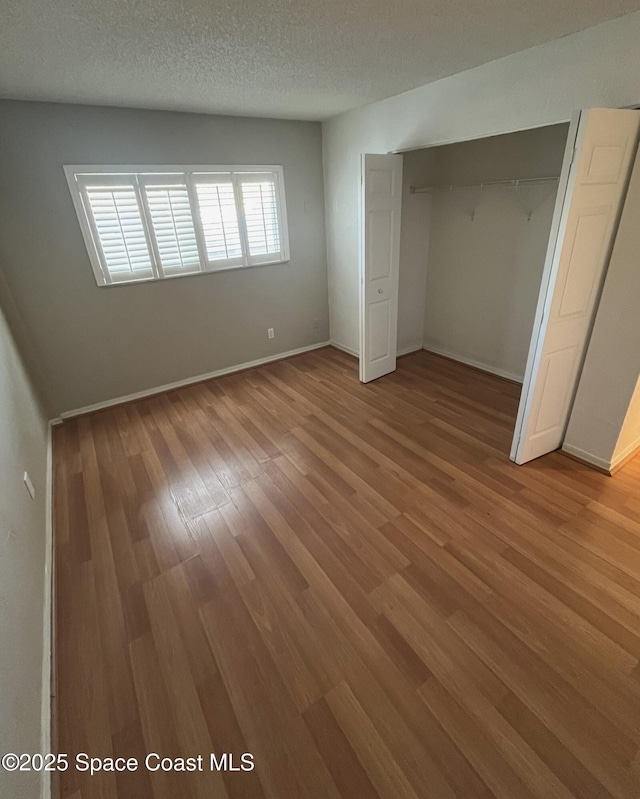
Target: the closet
pixel 476 218
pixel 495 252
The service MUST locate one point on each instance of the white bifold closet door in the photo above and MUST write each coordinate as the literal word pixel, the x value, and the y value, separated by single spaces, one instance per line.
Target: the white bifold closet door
pixel 593 184
pixel 381 203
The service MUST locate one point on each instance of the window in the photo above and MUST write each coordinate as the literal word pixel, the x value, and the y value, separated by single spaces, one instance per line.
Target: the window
pixel 150 223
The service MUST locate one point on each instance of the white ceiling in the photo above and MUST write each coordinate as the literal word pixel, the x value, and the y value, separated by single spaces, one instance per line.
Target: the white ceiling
pixel 306 59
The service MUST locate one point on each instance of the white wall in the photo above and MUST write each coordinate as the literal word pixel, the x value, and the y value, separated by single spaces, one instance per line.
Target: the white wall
pixel 23 447
pixel 483 275
pixel 629 439
pixel 605 425
pixel 483 280
pixel 100 343
pixel 540 86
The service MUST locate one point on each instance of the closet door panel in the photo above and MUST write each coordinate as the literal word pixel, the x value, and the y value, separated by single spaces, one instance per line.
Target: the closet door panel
pixel 379 263
pixel 589 203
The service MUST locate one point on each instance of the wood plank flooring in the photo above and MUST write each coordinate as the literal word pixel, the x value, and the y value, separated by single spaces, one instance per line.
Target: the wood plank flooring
pixel 353 584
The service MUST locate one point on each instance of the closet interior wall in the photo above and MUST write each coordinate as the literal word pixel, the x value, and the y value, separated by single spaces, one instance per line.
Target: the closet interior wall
pixel 471 260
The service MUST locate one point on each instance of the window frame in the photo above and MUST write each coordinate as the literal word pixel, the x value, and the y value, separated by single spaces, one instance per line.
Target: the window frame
pixel 142 175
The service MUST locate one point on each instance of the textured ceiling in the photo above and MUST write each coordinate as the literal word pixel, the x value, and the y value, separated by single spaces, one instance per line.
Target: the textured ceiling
pixel 308 59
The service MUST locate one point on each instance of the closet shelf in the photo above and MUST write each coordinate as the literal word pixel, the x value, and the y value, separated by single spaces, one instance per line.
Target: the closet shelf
pixel 513 184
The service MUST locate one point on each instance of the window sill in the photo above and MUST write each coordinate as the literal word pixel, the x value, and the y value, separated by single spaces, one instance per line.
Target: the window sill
pixel 199 273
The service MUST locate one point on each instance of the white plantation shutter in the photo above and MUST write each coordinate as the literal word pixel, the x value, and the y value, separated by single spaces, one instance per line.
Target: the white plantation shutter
pixel 173 227
pixel 219 219
pixel 260 209
pixel 156 222
pixel 117 224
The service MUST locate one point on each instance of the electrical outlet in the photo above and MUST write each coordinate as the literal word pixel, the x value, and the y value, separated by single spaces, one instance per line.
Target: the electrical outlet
pixel 316 324
pixel 270 333
pixel 29 485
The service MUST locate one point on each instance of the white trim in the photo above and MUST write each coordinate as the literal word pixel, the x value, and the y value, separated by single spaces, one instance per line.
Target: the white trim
pixel 602 463
pixel 477 136
pixel 484 367
pixel 588 457
pixel 409 350
pixel 149 392
pixel 167 169
pixel 626 452
pixel 48 642
pixel 349 351
pixel 344 348
pixel 360 355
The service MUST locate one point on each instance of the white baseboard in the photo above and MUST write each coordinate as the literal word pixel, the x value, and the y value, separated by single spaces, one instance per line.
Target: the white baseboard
pixel 476 364
pixel 344 348
pixel 587 457
pixel 626 454
pixel 409 350
pixel 47 623
pixel 602 464
pixel 149 392
pixel 356 354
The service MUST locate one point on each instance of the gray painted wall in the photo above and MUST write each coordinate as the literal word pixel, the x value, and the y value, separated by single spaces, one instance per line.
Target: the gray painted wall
pixel 23 447
pixel 99 343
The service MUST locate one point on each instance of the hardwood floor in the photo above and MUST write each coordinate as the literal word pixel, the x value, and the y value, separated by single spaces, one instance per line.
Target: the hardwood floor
pixel 353 584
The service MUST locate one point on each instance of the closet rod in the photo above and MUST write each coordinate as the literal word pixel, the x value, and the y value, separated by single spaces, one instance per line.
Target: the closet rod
pixel 511 183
